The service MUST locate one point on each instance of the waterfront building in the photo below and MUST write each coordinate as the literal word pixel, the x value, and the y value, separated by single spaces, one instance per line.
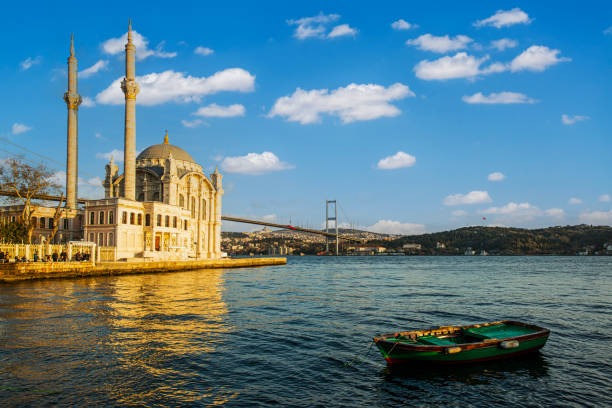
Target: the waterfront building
pixel 162 207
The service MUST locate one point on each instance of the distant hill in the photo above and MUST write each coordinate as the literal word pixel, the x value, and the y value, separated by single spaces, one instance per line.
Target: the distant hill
pixel 568 240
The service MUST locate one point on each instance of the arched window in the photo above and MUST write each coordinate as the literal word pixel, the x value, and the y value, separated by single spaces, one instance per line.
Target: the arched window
pixel 167 224
pixel 193 207
pixel 91 237
pixel 139 219
pixel 132 218
pixel 174 221
pixel 100 239
pixel 101 217
pixel 92 218
pixel 203 209
pixel 111 219
pixel 147 220
pixel 181 201
pixel 110 239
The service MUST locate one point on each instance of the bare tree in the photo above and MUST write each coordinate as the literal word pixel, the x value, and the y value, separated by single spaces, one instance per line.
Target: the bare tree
pixel 59 211
pixel 26 182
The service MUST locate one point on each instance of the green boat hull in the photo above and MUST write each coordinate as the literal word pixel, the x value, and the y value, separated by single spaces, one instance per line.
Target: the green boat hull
pixel 446 345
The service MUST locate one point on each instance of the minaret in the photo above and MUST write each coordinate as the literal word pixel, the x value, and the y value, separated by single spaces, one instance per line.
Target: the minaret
pixel 73 100
pixel 130 89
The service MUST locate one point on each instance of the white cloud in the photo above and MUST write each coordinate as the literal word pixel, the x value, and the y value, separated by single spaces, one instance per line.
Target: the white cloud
pixel 18 128
pixel 397 161
pixel 99 136
pixel 428 42
pixel 114 46
pixel 536 58
pixel 608 30
pixel 351 103
pixel 496 176
pixel 214 110
pixel 525 210
pixel 555 213
pixel 88 102
pixel 473 197
pixel 498 98
pixel 98 66
pixel 312 27
pixel 88 188
pixel 203 51
pixel 157 88
pixel 402 24
pixel 342 30
pixel 605 198
pixel 596 217
pixel 570 120
pixel 459 213
pixel 396 227
pixel 117 155
pixel 505 18
pixel 461 65
pixel 504 43
pixel 575 201
pixel 254 164
pixel 30 62
pixel 193 123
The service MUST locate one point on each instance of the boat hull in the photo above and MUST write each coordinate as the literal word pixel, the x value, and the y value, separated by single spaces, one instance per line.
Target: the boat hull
pixel 397 352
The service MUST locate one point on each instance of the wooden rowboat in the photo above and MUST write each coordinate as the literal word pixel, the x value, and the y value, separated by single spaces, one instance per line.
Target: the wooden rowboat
pixel 462 344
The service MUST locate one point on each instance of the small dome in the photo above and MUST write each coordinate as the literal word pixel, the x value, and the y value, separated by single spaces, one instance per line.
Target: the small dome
pixel 162 151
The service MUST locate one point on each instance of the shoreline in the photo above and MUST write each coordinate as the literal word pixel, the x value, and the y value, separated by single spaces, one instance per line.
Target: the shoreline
pixel 17 272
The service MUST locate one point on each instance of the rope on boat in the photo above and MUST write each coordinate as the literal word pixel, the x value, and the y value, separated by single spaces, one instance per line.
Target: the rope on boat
pixel 359 358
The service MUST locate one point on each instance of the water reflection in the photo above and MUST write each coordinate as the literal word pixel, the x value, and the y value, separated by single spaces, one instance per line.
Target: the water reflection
pixel 131 333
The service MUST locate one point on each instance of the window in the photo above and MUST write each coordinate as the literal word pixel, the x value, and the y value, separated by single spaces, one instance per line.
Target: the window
pixel 124 217
pixel 186 225
pixel 159 220
pixel 139 219
pixel 156 196
pixel 101 217
pixel 174 220
pixel 110 239
pixel 181 201
pixel 91 237
pixel 148 220
pixel 66 223
pixel 92 218
pixel 34 222
pixel 132 218
pixel 203 209
pixel 141 197
pixel 50 223
pixel 193 207
pixel 111 219
pixel 100 239
pixel 167 221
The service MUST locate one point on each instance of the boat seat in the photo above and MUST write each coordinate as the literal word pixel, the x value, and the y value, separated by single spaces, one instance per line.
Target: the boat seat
pixel 435 341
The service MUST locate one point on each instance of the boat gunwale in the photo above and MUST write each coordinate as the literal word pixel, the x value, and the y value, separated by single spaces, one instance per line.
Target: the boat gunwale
pixel 444 330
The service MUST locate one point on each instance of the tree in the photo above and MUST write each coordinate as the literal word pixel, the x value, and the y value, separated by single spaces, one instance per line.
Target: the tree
pixel 59 211
pixel 26 182
pixel 13 232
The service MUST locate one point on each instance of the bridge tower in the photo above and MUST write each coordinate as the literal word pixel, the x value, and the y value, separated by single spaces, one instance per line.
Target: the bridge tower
pixel 334 204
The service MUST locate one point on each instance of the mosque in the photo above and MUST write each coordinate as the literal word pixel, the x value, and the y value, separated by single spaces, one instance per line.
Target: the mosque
pixel 163 206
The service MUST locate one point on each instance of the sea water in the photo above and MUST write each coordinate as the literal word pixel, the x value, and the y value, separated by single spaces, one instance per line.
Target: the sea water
pixel 300 334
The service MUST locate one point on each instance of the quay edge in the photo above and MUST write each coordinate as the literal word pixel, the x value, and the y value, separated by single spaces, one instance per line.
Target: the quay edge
pixel 14 272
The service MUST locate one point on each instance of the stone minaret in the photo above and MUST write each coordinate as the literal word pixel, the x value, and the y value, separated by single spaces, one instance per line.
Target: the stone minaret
pixel 73 100
pixel 130 89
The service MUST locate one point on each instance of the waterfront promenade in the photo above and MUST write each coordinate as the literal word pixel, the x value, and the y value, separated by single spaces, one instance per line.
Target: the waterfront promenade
pixel 20 271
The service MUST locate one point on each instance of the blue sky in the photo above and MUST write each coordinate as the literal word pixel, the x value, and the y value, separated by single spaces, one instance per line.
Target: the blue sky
pixel 415 117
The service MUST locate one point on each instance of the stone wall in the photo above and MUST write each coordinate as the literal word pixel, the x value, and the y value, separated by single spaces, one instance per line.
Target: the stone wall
pixel 47 270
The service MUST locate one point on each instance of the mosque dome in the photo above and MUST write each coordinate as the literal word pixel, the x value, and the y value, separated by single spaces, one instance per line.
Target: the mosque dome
pixel 163 150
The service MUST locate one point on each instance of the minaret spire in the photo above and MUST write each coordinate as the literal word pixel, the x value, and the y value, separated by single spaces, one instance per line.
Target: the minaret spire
pixel 166 137
pixel 130 89
pixel 73 100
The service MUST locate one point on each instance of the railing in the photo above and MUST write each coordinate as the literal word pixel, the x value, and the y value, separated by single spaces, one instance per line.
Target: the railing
pixel 107 254
pixel 38 252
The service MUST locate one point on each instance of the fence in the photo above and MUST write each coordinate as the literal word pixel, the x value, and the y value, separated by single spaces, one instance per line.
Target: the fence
pixel 73 251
